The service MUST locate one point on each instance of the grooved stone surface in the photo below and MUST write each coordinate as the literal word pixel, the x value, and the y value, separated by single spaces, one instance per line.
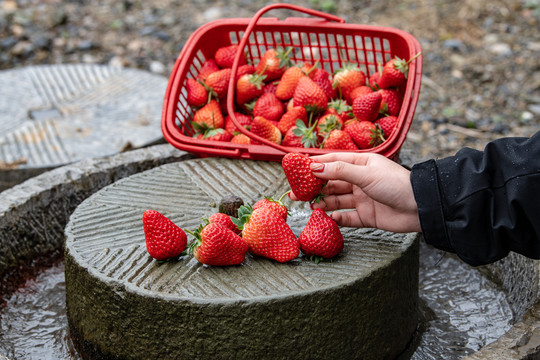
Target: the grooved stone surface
pixel 121 302
pixel 52 115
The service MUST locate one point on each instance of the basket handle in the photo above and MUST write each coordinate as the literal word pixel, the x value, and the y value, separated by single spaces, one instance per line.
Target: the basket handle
pixel 242 45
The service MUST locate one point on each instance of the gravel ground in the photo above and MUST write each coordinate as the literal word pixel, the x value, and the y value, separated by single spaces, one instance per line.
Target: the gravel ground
pixel 481 77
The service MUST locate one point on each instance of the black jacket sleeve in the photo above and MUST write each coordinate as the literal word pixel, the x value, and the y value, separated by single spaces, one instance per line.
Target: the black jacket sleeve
pixel 482 205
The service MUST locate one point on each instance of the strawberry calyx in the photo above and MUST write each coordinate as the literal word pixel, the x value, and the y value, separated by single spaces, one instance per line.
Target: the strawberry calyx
pixel 307 134
pixel 244 214
pixel 197 241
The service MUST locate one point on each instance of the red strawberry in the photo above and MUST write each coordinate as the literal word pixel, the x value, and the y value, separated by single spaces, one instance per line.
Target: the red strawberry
pixel 309 95
pixel 265 129
pixel 366 108
pixel 308 135
pixel 268 106
pixel 288 82
pixel 244 120
pixel 274 63
pixel 327 123
pixel 374 80
pixel 305 185
pixel 391 101
pixel 207 68
pixel 218 134
pixel 243 70
pixel 341 108
pixel 288 120
pixel 360 91
pixel 340 140
pixel 321 237
pixel 388 124
pixel 394 72
pixel 209 116
pixel 271 87
pixel 363 133
pixel 224 56
pixel 346 79
pixel 321 77
pixel 225 220
pixel 197 95
pixel 164 240
pixel 275 205
pixel 218 83
pixel 241 139
pixel 309 69
pixel 249 87
pixel 218 245
pixel 291 139
pixel 267 234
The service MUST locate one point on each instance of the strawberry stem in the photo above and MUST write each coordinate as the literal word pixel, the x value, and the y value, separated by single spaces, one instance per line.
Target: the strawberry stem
pixel 414 57
pixel 282 196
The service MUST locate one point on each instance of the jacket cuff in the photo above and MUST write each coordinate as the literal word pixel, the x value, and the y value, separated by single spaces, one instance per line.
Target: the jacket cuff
pixel 425 184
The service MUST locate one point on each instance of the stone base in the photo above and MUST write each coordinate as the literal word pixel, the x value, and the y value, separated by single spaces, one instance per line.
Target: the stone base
pixel 362 305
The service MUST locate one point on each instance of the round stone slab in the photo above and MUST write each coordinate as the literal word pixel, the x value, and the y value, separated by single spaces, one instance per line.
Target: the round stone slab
pixel 51 115
pixel 123 304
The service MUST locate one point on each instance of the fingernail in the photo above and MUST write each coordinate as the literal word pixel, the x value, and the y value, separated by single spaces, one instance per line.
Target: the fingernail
pixel 317 167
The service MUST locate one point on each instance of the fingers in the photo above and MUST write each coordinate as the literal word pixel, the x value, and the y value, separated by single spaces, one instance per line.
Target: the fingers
pixel 341 170
pixel 329 203
pixel 355 158
pixel 347 218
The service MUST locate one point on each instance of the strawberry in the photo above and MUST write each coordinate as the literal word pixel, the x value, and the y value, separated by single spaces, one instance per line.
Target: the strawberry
pixel 366 108
pixel 321 77
pixel 307 135
pixel 207 68
pixel 164 240
pixel 209 116
pixel 265 129
pixel 388 124
pixel 243 70
pixel 290 139
pixel 309 95
pixel 218 245
pixel 218 134
pixel 273 63
pixel 346 79
pixel 340 140
pixel 241 139
pixel 341 108
pixel 244 120
pixel 360 91
pixel 364 134
pixel 305 185
pixel 394 72
pixel 275 205
pixel 249 87
pixel 197 95
pixel 309 69
pixel 267 234
pixel 271 87
pixel 321 237
pixel 218 83
pixel 268 106
pixel 288 120
pixel 225 220
pixel 327 123
pixel 391 101
pixel 224 56
pixel 288 82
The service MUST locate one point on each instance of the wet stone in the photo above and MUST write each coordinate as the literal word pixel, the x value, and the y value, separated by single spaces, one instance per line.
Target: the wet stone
pixel 122 304
pixel 53 115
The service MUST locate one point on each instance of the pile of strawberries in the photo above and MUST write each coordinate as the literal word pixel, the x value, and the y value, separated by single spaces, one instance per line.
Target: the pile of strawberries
pixel 296 104
pixel 260 229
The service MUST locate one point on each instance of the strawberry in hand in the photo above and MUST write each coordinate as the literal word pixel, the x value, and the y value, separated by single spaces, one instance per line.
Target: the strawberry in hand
pixel 164 240
pixel 321 238
pixel 304 185
pixel 267 234
pixel 217 245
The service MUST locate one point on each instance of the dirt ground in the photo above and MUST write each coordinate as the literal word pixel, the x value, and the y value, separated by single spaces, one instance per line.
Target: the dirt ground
pixel 481 59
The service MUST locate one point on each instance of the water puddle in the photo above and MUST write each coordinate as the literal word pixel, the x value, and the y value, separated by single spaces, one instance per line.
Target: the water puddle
pixel 462 311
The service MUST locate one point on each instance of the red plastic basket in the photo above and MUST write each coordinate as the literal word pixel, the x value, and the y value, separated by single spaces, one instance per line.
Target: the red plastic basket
pixel 326 38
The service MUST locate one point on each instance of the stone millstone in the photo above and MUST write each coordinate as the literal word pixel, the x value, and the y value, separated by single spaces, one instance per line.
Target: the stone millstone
pixel 52 115
pixel 123 304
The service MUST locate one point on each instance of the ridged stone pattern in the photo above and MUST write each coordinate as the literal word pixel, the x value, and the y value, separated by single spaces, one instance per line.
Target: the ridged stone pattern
pixel 124 304
pixel 51 115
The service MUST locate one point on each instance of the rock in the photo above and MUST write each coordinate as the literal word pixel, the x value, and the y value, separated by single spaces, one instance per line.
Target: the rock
pixel 22 49
pixel 157 67
pixel 500 49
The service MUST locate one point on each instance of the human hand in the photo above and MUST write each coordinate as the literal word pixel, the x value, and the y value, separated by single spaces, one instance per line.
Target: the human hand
pixel 375 191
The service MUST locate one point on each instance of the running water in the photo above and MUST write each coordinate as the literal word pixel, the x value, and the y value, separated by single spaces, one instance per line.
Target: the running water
pixel 462 311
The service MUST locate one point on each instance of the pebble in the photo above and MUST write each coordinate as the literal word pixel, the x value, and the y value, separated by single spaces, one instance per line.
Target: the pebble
pixel 500 49
pixel 157 67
